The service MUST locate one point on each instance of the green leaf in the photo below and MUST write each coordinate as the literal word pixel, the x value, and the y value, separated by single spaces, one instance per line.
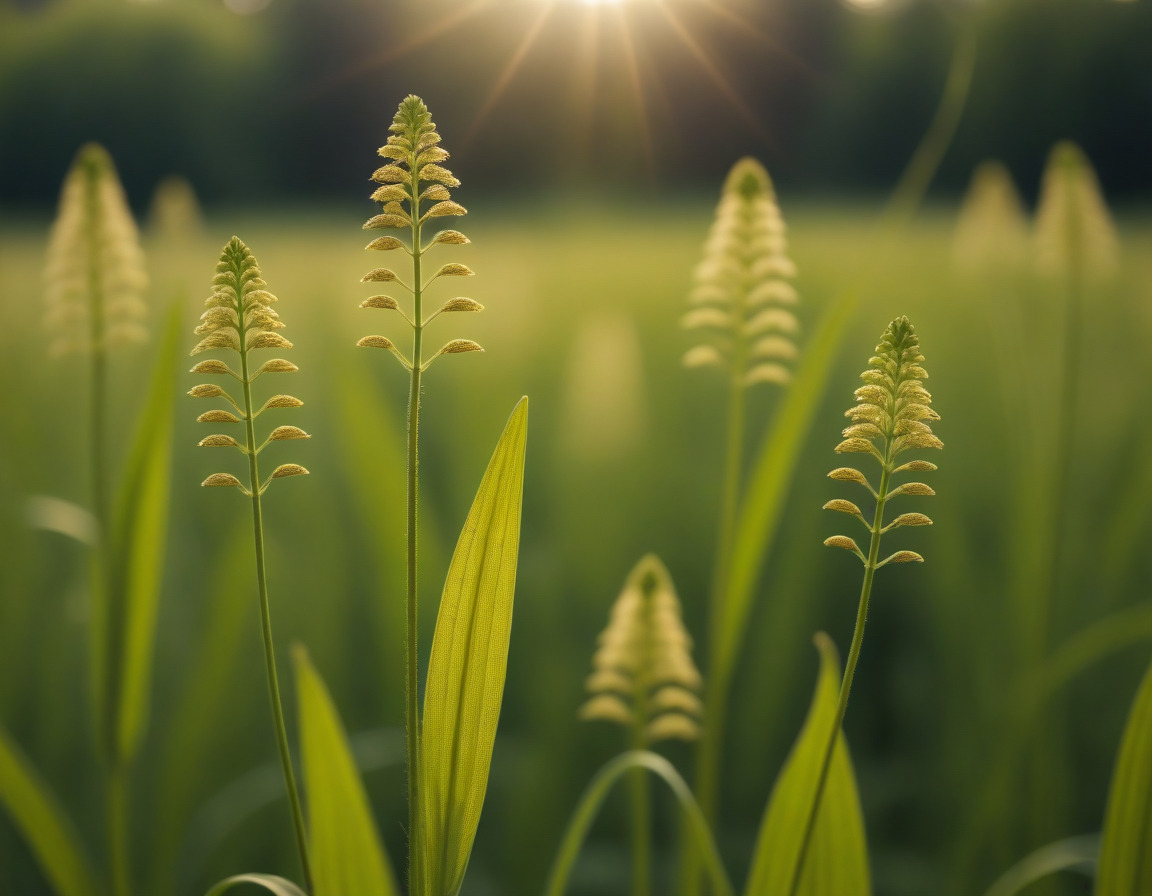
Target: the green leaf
pixel 767 490
pixel 344 845
pixel 1072 854
pixel 468 664
pixel 42 821
pixel 124 630
pixel 836 863
pixel 277 886
pixel 1126 844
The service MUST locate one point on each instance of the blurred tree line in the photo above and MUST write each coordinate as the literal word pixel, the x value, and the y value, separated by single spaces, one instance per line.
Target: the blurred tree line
pixel 290 101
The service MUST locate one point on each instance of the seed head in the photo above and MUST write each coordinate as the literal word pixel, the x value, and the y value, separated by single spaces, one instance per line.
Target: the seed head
pixel 1074 230
pixel 94 277
pixel 892 415
pixel 992 230
pixel 643 675
pixel 742 294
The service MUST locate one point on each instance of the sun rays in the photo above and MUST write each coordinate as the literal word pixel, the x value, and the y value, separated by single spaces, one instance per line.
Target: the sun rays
pixel 633 36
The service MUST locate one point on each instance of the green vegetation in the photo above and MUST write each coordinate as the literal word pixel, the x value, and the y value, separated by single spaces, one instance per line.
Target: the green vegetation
pixel 1000 672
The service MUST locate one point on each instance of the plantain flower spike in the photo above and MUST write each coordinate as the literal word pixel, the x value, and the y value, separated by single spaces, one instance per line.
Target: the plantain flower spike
pixel 94 276
pixel 743 298
pixel 415 188
pixel 240 319
pixel 643 675
pixel 1075 233
pixel 992 229
pixel 892 415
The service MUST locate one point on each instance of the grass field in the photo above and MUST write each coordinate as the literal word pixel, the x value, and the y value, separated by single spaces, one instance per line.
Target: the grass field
pixel 984 721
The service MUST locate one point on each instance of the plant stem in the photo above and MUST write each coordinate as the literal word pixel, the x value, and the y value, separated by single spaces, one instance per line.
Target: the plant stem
pixel 412 640
pixel 850 666
pixel 265 609
pixel 638 780
pixel 118 831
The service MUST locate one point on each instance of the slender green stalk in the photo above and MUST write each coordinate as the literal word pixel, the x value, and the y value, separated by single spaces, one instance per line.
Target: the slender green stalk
pixel 266 613
pixel 412 643
pixel 870 567
pixel 639 790
pixel 593 798
pixel 118 815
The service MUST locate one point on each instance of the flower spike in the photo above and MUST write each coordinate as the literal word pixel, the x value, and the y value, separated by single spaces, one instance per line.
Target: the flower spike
pixel 643 675
pixel 743 296
pixel 892 414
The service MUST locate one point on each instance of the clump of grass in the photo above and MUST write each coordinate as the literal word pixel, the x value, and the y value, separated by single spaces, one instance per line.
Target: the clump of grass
pixel 240 319
pixel 892 415
pixel 644 680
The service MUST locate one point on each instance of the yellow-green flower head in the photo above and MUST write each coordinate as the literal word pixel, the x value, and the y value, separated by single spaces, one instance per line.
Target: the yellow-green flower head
pixel 643 675
pixel 892 415
pixel 743 298
pixel 992 229
pixel 415 190
pixel 1074 230
pixel 94 276
pixel 240 318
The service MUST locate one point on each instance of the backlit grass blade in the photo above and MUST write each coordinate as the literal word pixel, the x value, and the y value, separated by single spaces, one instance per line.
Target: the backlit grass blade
pixel 468 663
pixel 836 863
pixel 344 845
pixel 1071 854
pixel 277 886
pixel 1126 844
pixel 40 819
pixel 139 542
pixel 768 484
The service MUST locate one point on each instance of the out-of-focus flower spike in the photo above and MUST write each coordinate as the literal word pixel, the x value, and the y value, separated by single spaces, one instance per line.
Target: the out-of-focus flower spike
pixel 1074 229
pixel 992 228
pixel 94 276
pixel 644 678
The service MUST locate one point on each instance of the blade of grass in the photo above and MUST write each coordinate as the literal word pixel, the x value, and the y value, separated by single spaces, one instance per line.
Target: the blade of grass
pixel 1126 844
pixel 1072 854
pixel 468 664
pixel 593 798
pixel 46 829
pixel 277 886
pixel 344 845
pixel 836 861
pixel 140 536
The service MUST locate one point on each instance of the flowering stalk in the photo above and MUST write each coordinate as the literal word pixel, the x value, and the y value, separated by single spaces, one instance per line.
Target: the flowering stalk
pixel 414 180
pixel 240 318
pixel 891 416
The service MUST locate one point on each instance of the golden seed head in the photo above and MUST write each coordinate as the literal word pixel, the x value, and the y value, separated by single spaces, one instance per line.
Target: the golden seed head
pixel 95 266
pixel 992 228
pixel 742 290
pixel 376 342
pixel 386 302
pixel 1074 229
pixel 211 366
pixel 457 346
pixel 460 303
pixel 643 673
pixel 286 433
pixel 218 441
pixel 282 401
pixel 277 365
pixel 208 390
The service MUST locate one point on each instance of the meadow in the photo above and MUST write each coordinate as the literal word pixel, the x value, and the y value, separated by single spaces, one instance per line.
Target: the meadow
pixel 985 717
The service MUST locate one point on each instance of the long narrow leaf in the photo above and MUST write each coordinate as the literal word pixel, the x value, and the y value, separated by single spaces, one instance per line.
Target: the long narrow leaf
pixel 836 863
pixel 344 845
pixel 1126 844
pixel 138 544
pixel 1071 854
pixel 468 664
pixel 42 821
pixel 768 482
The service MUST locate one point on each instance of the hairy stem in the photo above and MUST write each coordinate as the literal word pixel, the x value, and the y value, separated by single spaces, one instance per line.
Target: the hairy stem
pixel 412 642
pixel 265 610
